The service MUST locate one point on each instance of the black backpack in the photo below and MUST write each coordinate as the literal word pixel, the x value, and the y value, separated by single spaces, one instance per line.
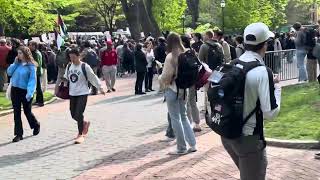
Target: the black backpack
pixel 91 58
pixel 310 39
pixel 233 52
pixel 188 70
pixel 215 55
pixel 226 97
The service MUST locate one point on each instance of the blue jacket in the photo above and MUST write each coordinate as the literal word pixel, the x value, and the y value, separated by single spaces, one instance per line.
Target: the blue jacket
pixel 24 77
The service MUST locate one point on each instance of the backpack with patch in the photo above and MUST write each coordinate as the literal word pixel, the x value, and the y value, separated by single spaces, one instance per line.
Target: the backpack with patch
pixel 188 70
pixel 215 55
pixel 226 97
pixel 91 58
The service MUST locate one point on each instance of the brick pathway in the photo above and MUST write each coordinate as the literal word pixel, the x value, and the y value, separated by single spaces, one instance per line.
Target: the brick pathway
pixel 124 143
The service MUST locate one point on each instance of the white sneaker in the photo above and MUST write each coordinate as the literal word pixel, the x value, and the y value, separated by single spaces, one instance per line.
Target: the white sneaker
pixel 178 153
pixel 192 149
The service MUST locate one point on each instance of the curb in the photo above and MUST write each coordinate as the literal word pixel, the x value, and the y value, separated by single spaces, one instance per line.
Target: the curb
pixel 10 111
pixel 293 144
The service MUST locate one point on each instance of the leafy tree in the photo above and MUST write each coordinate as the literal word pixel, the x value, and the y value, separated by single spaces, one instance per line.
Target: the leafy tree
pixel 168 13
pixel 107 10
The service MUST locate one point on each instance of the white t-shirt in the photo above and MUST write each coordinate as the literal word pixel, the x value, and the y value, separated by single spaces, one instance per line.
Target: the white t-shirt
pixel 150 58
pixel 78 84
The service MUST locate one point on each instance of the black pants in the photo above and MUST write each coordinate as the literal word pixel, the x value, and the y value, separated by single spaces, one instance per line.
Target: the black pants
pixel 39 98
pixel 139 81
pixel 18 97
pixel 149 79
pixel 52 72
pixel 77 107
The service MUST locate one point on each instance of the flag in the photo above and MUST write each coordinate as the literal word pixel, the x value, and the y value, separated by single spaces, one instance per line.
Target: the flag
pixel 60 31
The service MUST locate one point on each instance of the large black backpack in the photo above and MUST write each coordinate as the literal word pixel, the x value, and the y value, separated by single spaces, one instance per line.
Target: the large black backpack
pixel 215 55
pixel 91 58
pixel 226 97
pixel 188 70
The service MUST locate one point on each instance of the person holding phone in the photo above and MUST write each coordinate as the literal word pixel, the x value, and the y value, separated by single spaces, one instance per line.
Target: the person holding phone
pixel 23 85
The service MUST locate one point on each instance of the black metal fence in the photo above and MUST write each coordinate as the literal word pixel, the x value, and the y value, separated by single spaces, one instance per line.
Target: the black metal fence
pixel 283 63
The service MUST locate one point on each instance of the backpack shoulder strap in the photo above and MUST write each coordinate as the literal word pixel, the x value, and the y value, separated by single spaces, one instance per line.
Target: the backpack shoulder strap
pixel 84 71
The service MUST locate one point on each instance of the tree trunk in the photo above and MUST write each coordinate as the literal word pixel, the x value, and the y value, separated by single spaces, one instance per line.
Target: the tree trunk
pixel 131 12
pixel 153 23
pixel 193 6
pixel 1 30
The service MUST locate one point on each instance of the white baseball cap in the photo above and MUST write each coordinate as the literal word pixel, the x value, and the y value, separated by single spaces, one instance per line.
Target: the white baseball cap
pixel 257 33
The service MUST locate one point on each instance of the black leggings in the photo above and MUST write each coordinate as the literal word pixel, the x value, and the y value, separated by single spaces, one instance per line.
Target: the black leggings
pixel 77 107
pixel 39 98
pixel 18 97
pixel 149 79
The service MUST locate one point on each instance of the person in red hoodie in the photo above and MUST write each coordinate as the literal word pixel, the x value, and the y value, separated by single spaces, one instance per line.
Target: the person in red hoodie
pixel 109 61
pixel 4 51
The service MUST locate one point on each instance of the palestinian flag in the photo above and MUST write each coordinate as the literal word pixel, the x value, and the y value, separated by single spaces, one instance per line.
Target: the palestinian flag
pixel 60 31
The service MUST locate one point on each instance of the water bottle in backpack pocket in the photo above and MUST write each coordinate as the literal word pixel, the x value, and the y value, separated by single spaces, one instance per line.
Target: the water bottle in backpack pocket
pixel 226 98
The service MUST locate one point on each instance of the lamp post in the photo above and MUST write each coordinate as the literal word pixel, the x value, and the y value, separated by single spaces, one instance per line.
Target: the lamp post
pixel 223 5
pixel 183 20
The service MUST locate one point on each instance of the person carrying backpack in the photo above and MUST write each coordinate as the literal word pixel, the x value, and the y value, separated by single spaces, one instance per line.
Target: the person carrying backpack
pixel 211 53
pixel 90 57
pixel 218 35
pixel 62 60
pixel 79 74
pixel 179 73
pixel 240 99
pixel 240 47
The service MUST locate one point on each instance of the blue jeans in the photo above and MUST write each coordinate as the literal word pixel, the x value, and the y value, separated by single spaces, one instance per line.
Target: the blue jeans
pixel 301 55
pixel 177 108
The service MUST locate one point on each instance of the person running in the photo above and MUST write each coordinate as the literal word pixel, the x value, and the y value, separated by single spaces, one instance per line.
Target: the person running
pixel 79 74
pixel 109 61
pixel 33 45
pixel 177 106
pixel 192 107
pixel 249 150
pixel 141 68
pixel 150 66
pixel 23 85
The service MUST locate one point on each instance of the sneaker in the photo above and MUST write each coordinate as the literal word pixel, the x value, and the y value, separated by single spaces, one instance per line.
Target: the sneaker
pixel 39 104
pixel 36 130
pixel 79 140
pixel 197 128
pixel 192 149
pixel 86 125
pixel 151 90
pixel 77 136
pixel 178 153
pixel 317 156
pixel 113 89
pixel 109 91
pixel 168 139
pixel 147 91
pixel 17 139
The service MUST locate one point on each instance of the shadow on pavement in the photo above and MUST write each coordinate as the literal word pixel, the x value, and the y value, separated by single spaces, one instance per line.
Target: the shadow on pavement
pixel 152 131
pixel 128 99
pixel 7 143
pixel 10 160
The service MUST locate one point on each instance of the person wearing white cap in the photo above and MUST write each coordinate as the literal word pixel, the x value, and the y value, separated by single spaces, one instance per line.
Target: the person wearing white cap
pixel 248 151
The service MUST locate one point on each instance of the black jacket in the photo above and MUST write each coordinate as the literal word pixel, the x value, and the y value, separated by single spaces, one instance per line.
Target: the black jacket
pixel 160 52
pixel 140 61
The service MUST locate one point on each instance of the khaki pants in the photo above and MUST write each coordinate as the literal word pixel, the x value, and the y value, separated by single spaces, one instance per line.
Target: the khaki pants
pixel 44 80
pixel 192 108
pixel 109 74
pixel 3 78
pixel 312 69
pixel 206 103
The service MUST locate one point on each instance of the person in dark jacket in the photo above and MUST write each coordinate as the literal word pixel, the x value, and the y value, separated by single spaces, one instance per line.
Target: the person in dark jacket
pixel 160 50
pixel 198 42
pixel 128 58
pixel 141 68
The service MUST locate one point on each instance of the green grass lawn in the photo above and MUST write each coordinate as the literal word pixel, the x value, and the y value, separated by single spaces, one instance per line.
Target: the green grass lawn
pixel 299 116
pixel 5 104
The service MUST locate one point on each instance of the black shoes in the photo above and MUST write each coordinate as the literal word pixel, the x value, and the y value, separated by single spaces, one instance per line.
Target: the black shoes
pixel 36 130
pixel 39 104
pixel 17 139
pixel 140 93
pixel 113 89
pixel 147 90
pixel 108 91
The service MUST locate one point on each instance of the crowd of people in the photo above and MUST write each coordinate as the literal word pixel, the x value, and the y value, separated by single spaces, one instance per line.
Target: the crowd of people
pixel 175 60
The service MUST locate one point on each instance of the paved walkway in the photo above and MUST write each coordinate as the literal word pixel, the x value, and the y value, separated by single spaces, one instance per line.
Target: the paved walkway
pixel 124 143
